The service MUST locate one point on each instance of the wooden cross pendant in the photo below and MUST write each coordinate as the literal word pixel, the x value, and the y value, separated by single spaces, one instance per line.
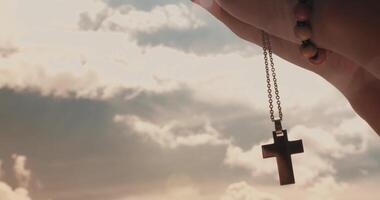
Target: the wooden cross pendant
pixel 282 149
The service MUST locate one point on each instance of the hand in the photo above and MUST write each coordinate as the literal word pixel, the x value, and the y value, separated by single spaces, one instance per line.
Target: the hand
pixel 348 29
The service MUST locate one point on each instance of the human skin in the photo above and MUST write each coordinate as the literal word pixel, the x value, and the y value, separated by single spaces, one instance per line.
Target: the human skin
pixel 348 29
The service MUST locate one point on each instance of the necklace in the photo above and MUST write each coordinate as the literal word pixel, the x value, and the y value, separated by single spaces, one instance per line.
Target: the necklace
pixel 282 148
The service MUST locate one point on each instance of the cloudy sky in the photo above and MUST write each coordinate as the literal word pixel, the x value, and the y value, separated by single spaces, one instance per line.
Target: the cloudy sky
pixel 157 100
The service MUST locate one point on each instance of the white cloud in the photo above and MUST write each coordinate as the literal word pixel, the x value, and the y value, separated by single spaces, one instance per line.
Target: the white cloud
pixel 325 188
pixel 323 149
pixel 189 191
pixel 61 84
pixel 7 193
pixel 250 160
pixel 57 50
pixel 243 191
pixel 174 133
pixel 175 16
pixel 330 142
pixel 87 23
pixel 182 187
pixel 7 49
pixel 132 20
pixel 56 59
pixel 176 187
pixel 23 175
pixel 184 193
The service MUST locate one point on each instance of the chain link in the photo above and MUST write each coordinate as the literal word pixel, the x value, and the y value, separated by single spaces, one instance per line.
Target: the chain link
pixel 268 60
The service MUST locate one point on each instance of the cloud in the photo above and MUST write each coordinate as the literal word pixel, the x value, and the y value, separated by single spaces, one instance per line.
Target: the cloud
pixel 323 151
pixel 242 191
pixel 325 188
pixel 99 159
pixel 205 40
pixel 22 174
pixel 175 133
pixel 176 17
pixel 184 193
pixel 65 125
pixel 174 188
pixel 78 83
pixel 8 50
pixel 140 4
pixel 179 26
pixel 52 54
pixel 250 160
pixel 7 193
pixel 79 136
pixel 188 191
pixel 61 84
pixel 86 23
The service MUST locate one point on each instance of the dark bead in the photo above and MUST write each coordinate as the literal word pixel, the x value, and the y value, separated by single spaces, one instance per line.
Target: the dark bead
pixel 303 32
pixel 309 50
pixel 319 58
pixel 303 12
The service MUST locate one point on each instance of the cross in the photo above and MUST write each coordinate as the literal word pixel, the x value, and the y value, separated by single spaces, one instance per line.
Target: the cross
pixel 282 149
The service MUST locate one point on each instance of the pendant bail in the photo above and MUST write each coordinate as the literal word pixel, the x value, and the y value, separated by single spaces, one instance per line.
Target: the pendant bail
pixel 278 126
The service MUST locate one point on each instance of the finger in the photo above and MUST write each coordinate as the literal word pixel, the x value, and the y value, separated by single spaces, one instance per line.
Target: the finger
pixel 338 25
pixel 337 70
pixel 273 16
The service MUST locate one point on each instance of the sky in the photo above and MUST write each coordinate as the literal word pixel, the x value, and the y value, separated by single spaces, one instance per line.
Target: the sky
pixel 157 100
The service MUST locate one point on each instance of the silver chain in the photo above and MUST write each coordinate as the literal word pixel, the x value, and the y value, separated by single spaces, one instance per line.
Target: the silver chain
pixel 267 49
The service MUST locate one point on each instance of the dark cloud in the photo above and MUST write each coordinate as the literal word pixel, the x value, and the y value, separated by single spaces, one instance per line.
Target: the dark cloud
pixel 314 116
pixel 355 167
pixel 141 4
pixel 78 152
pixel 8 50
pixel 87 23
pixel 213 38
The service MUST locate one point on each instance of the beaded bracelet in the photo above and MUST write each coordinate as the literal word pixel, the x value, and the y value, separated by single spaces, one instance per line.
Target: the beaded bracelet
pixel 303 31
